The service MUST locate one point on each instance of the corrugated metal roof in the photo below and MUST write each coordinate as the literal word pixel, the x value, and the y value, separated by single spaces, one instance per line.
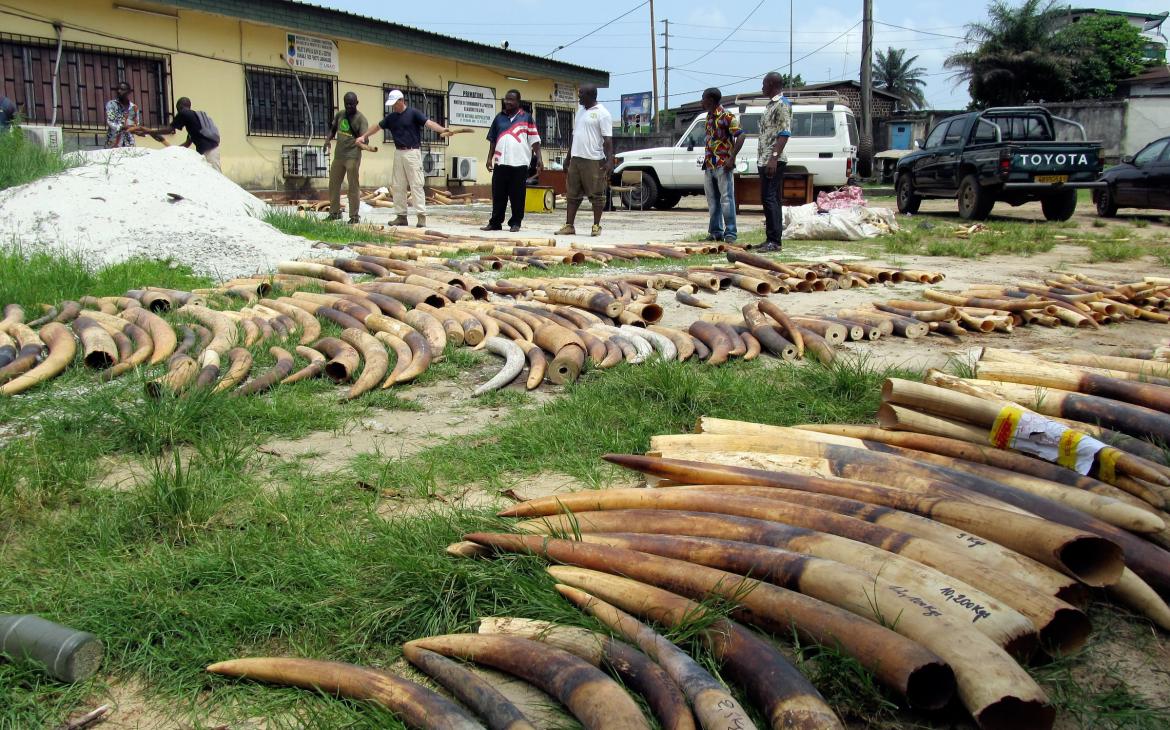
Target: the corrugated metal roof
pixel 319 19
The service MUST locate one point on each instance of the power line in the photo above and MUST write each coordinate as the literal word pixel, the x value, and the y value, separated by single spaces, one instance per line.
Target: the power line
pixel 742 79
pixel 598 28
pixel 733 32
pixel 922 32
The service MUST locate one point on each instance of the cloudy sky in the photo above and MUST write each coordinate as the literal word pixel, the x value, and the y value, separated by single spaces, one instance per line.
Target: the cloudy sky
pixel 712 44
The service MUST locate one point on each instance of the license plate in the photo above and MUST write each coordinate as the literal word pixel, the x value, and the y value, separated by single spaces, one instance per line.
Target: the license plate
pixel 1051 178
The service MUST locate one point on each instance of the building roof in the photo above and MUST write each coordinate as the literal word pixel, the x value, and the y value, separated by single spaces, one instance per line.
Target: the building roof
pixel 1156 76
pixel 849 82
pixel 1147 17
pixel 316 19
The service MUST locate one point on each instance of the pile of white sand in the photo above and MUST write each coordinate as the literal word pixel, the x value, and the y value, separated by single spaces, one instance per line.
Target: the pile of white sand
pixel 116 206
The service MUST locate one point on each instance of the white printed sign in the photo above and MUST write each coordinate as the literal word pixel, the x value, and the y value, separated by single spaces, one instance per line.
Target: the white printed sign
pixel 306 51
pixel 564 93
pixel 470 106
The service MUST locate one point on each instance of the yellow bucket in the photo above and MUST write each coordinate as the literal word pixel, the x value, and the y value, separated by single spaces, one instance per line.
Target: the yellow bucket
pixel 539 199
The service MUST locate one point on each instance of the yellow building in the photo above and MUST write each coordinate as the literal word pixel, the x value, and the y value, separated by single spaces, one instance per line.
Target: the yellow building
pixel 271 74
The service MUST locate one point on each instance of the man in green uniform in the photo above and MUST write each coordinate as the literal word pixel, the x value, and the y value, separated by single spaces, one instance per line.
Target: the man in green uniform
pixel 347 125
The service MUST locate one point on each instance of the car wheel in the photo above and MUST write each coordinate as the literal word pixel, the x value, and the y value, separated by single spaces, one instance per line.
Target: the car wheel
pixel 667 200
pixel 644 195
pixel 908 202
pixel 1059 206
pixel 1106 201
pixel 975 201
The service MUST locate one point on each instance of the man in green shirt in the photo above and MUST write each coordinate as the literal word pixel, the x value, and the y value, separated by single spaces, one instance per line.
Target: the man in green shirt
pixel 347 126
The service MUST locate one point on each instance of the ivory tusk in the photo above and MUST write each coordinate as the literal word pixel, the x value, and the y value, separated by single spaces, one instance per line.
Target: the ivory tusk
pixel 513 364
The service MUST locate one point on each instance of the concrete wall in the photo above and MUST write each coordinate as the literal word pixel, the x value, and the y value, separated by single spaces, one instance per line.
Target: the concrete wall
pixel 205 54
pixel 1104 121
pixel 1148 120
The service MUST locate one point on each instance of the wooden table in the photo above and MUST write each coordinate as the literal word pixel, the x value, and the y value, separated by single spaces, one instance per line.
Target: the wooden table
pixel 795 189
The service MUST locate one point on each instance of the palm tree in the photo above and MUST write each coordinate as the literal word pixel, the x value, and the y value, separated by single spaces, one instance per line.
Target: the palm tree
pixel 1016 60
pixel 895 73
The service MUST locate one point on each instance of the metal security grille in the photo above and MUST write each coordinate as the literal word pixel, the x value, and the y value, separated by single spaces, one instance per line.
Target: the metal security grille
pixel 276 106
pixel 87 79
pixel 556 127
pixel 431 102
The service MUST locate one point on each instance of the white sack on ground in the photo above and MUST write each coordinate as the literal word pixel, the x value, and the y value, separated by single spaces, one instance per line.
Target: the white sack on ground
pixel 807 223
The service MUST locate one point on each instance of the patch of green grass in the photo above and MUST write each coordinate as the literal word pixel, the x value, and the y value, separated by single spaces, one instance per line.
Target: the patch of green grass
pixel 30 277
pixel 1141 223
pixel 316 229
pixel 22 162
pixel 1114 251
pixel 1162 255
pixel 505 398
pixel 958 247
pixel 1100 223
pixel 619 410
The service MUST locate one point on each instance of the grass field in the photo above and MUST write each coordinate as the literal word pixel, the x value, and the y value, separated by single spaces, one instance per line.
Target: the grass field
pixel 22 161
pixel 166 529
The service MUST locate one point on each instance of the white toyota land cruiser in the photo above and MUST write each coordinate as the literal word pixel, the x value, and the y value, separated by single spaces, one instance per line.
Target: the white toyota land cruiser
pixel 823 142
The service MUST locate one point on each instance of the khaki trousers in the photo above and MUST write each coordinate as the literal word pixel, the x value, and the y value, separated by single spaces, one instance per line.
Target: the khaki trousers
pixel 212 157
pixel 339 169
pixel 408 173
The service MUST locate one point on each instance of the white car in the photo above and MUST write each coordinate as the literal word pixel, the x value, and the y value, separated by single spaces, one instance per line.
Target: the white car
pixel 823 142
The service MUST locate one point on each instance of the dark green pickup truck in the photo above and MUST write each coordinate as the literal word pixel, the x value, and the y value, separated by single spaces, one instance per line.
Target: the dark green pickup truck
pixel 1003 154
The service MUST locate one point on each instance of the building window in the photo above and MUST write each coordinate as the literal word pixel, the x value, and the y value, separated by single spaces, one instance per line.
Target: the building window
pixel 86 81
pixel 276 103
pixel 556 127
pixel 431 102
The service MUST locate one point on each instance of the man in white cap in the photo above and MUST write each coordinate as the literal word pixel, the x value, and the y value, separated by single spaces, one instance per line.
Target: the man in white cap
pixel 405 125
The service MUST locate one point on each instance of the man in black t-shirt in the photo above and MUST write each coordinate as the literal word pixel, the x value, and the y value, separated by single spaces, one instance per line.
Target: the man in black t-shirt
pixel 201 131
pixel 405 125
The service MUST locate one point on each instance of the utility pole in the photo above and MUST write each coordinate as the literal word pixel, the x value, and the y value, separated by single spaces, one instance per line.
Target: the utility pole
pixel 791 23
pixel 865 148
pixel 666 64
pixel 654 63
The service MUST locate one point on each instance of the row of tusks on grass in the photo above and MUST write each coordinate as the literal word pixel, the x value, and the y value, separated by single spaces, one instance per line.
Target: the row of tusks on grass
pixel 413 313
pixel 1070 300
pixel 752 273
pixel 937 564
pixel 519 254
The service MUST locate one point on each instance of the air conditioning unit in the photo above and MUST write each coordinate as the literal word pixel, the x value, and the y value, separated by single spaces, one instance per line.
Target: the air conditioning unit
pixel 432 164
pixel 50 138
pixel 302 160
pixel 464 168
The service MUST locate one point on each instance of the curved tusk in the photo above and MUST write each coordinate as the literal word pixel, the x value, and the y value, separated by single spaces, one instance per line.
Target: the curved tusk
pixel 635 670
pixel 278 372
pixel 594 699
pixel 469 688
pixel 62 348
pixel 402 356
pixel 239 364
pixel 377 361
pixel 513 364
pixel 414 704
pixel 716 708
pixel 315 367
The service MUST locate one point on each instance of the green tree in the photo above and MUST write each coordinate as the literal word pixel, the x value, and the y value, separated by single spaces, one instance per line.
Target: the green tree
pixel 1104 49
pixel 1016 60
pixel 895 73
pixel 791 82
